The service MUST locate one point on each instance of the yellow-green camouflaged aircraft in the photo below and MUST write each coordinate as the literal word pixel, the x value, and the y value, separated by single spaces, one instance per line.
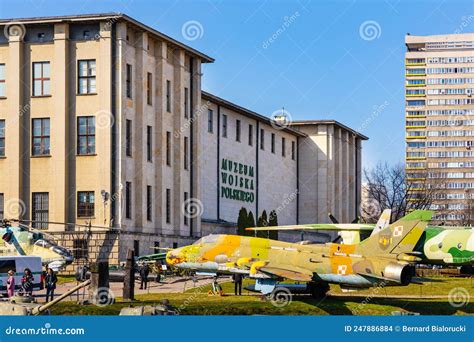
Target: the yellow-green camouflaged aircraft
pixel 438 245
pixel 385 258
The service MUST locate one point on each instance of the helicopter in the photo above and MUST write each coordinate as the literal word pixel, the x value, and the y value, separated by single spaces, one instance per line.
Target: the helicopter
pixel 21 239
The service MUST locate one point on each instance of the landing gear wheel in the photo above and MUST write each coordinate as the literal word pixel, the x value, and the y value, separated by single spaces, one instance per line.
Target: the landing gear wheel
pixel 318 290
pixel 467 269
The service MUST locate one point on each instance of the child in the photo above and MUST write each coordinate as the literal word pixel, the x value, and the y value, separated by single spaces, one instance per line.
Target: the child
pixel 11 284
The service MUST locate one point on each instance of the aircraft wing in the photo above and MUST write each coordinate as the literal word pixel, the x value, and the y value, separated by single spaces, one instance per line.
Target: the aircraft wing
pixel 287 271
pixel 322 226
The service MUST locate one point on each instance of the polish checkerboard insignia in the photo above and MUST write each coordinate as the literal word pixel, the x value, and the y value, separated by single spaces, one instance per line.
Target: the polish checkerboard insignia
pixel 398 231
pixel 342 269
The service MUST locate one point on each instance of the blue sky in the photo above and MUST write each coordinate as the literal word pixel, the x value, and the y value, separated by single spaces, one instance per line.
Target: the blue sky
pixel 312 57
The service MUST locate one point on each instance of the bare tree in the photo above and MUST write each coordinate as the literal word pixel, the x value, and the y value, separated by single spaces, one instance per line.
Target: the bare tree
pixel 386 187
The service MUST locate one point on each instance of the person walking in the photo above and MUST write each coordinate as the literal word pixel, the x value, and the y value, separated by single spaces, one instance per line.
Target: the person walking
pixel 27 282
pixel 144 271
pixel 237 279
pixel 50 283
pixel 11 284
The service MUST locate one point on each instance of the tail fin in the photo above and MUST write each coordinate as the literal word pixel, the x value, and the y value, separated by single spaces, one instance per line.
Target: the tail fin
pixel 383 222
pixel 399 237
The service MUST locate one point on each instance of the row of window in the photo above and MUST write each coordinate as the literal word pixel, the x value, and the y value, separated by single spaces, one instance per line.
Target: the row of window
pixel 457 133
pixel 450 91
pixel 450 196
pixel 435 175
pixel 450 122
pixel 461 70
pixel 456 80
pixel 416 134
pixel 450 143
pixel 40 207
pixel 412 165
pixel 238 133
pixel 415 123
pixel 41 78
pixel 444 102
pixel 415 154
pixel 446 60
pixel 435 112
pixel 415 92
pixel 415 81
pixel 451 154
pixel 451 165
pixel 449 45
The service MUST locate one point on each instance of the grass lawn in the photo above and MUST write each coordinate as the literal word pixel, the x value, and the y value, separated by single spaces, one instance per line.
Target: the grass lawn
pixel 197 302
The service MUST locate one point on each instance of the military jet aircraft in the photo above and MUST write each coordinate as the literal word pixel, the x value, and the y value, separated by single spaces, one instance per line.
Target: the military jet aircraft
pixel 385 258
pixel 438 245
pixel 24 240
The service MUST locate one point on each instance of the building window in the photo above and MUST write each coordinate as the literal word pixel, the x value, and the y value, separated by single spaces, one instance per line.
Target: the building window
pixel 168 206
pixel 86 77
pixel 85 203
pixel 136 247
pixel 80 248
pixel 2 200
pixel 250 135
pixel 85 135
pixel 128 200
pixel 2 80
pixel 41 79
pixel 128 138
pixel 168 148
pixel 262 139
pixel 186 103
pixel 186 153
pixel 2 138
pixel 186 208
pixel 224 125
pixel 283 147
pixel 149 143
pixel 41 138
pixel 168 96
pixel 148 202
pixel 237 130
pixel 175 245
pixel 149 88
pixel 273 142
pixel 210 121
pixel 40 210
pixel 293 150
pixel 128 81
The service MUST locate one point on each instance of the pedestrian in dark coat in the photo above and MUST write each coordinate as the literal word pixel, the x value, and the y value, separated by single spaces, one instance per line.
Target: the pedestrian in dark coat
pixel 237 279
pixel 27 282
pixel 144 271
pixel 50 283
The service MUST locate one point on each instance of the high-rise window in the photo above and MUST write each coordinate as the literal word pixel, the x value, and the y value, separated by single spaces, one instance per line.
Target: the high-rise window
pixel 40 210
pixel 273 142
pixel 2 138
pixel 186 209
pixel 262 139
pixel 41 79
pixel 2 80
pixel 86 77
pixel 293 150
pixel 250 135
pixel 283 147
pixel 149 202
pixel 128 138
pixel 128 200
pixel 168 205
pixel 2 200
pixel 85 203
pixel 128 81
pixel 168 148
pixel 149 88
pixel 237 130
pixel 186 153
pixel 224 125
pixel 168 96
pixel 186 103
pixel 85 135
pixel 41 138
pixel 149 143
pixel 210 120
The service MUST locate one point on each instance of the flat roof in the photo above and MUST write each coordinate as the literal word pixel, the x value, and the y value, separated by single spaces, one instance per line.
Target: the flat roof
pixel 247 112
pixel 115 16
pixel 328 122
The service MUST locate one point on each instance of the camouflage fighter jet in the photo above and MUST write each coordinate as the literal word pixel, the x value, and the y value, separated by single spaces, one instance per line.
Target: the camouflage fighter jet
pixel 438 245
pixel 385 258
